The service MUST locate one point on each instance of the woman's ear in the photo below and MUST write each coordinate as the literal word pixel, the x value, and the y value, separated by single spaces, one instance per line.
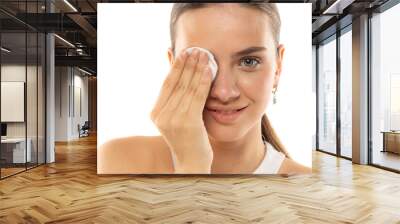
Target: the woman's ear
pixel 279 59
pixel 171 57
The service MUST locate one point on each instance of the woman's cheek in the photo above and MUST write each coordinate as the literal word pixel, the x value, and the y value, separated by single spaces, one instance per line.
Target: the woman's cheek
pixel 256 86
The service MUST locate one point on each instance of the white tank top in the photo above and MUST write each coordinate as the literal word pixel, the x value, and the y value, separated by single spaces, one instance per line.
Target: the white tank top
pixel 272 161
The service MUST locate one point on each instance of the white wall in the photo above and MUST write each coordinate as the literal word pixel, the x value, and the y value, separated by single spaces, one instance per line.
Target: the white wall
pixel 62 81
pixel 16 73
pixel 80 83
pixel 33 127
pixel 67 115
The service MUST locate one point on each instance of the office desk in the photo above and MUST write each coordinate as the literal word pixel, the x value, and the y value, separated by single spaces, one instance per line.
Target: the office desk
pixel 13 150
pixel 391 141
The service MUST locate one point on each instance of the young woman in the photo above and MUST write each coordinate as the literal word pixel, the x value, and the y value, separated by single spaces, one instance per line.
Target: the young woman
pixel 213 126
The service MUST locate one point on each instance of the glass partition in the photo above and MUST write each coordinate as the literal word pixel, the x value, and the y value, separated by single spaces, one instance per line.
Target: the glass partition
pixel 327 96
pixel 13 103
pixel 41 111
pixel 32 72
pixel 22 101
pixel 32 95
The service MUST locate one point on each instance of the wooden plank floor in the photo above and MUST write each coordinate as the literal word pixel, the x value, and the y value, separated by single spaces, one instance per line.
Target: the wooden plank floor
pixel 10 171
pixel 69 191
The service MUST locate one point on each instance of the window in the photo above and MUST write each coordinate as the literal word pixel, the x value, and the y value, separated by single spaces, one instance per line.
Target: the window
pixel 327 96
pixel 346 93
pixel 385 89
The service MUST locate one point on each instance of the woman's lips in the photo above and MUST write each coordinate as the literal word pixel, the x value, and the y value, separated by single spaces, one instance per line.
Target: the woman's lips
pixel 226 116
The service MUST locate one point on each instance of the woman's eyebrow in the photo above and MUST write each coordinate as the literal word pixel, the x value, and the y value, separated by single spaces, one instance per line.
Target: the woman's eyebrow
pixel 249 51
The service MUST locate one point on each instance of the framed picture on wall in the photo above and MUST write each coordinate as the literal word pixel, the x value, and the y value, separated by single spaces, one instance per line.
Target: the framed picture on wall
pixel 12 101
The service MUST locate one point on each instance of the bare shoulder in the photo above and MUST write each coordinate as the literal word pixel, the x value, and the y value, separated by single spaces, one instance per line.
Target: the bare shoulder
pixel 290 166
pixel 133 155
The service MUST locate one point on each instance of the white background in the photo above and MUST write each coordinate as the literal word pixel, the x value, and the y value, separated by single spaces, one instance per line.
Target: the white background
pixel 133 40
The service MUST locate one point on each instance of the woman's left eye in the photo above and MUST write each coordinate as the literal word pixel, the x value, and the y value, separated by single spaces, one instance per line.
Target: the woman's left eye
pixel 249 62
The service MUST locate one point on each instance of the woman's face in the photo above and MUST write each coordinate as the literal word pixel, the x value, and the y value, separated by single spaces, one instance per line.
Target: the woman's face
pixel 248 65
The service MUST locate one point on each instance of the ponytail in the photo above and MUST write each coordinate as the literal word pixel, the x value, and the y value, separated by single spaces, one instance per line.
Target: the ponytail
pixel 268 133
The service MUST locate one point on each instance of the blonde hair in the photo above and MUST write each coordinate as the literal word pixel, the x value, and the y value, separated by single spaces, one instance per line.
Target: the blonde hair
pixel 268 133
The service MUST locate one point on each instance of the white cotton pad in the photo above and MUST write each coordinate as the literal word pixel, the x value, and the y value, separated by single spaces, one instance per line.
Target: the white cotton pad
pixel 211 61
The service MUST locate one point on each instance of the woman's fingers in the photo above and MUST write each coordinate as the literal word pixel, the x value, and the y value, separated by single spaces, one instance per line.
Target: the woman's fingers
pixel 181 126
pixel 200 96
pixel 194 84
pixel 184 82
pixel 169 83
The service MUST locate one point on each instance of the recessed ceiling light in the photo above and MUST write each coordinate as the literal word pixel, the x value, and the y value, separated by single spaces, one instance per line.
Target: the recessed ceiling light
pixel 5 50
pixel 64 40
pixel 337 6
pixel 84 71
pixel 70 5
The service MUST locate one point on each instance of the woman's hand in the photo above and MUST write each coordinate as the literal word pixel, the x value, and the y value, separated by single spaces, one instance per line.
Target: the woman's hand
pixel 178 113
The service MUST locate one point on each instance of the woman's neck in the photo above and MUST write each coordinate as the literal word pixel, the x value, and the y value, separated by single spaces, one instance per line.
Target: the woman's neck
pixel 241 156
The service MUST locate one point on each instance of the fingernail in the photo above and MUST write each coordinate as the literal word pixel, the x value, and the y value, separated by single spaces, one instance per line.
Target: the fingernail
pixel 188 52
pixel 195 55
pixel 195 52
pixel 184 54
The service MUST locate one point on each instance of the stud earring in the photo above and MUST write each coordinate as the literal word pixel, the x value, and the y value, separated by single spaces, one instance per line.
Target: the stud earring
pixel 263 139
pixel 274 100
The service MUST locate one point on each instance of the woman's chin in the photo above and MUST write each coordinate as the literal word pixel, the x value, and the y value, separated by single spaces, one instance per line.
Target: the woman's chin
pixel 224 133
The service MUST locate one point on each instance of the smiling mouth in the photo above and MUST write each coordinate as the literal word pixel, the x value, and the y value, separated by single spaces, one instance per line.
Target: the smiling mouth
pixel 226 116
pixel 227 111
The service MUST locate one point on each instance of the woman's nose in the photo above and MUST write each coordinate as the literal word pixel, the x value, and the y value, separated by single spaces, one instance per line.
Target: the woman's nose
pixel 224 87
